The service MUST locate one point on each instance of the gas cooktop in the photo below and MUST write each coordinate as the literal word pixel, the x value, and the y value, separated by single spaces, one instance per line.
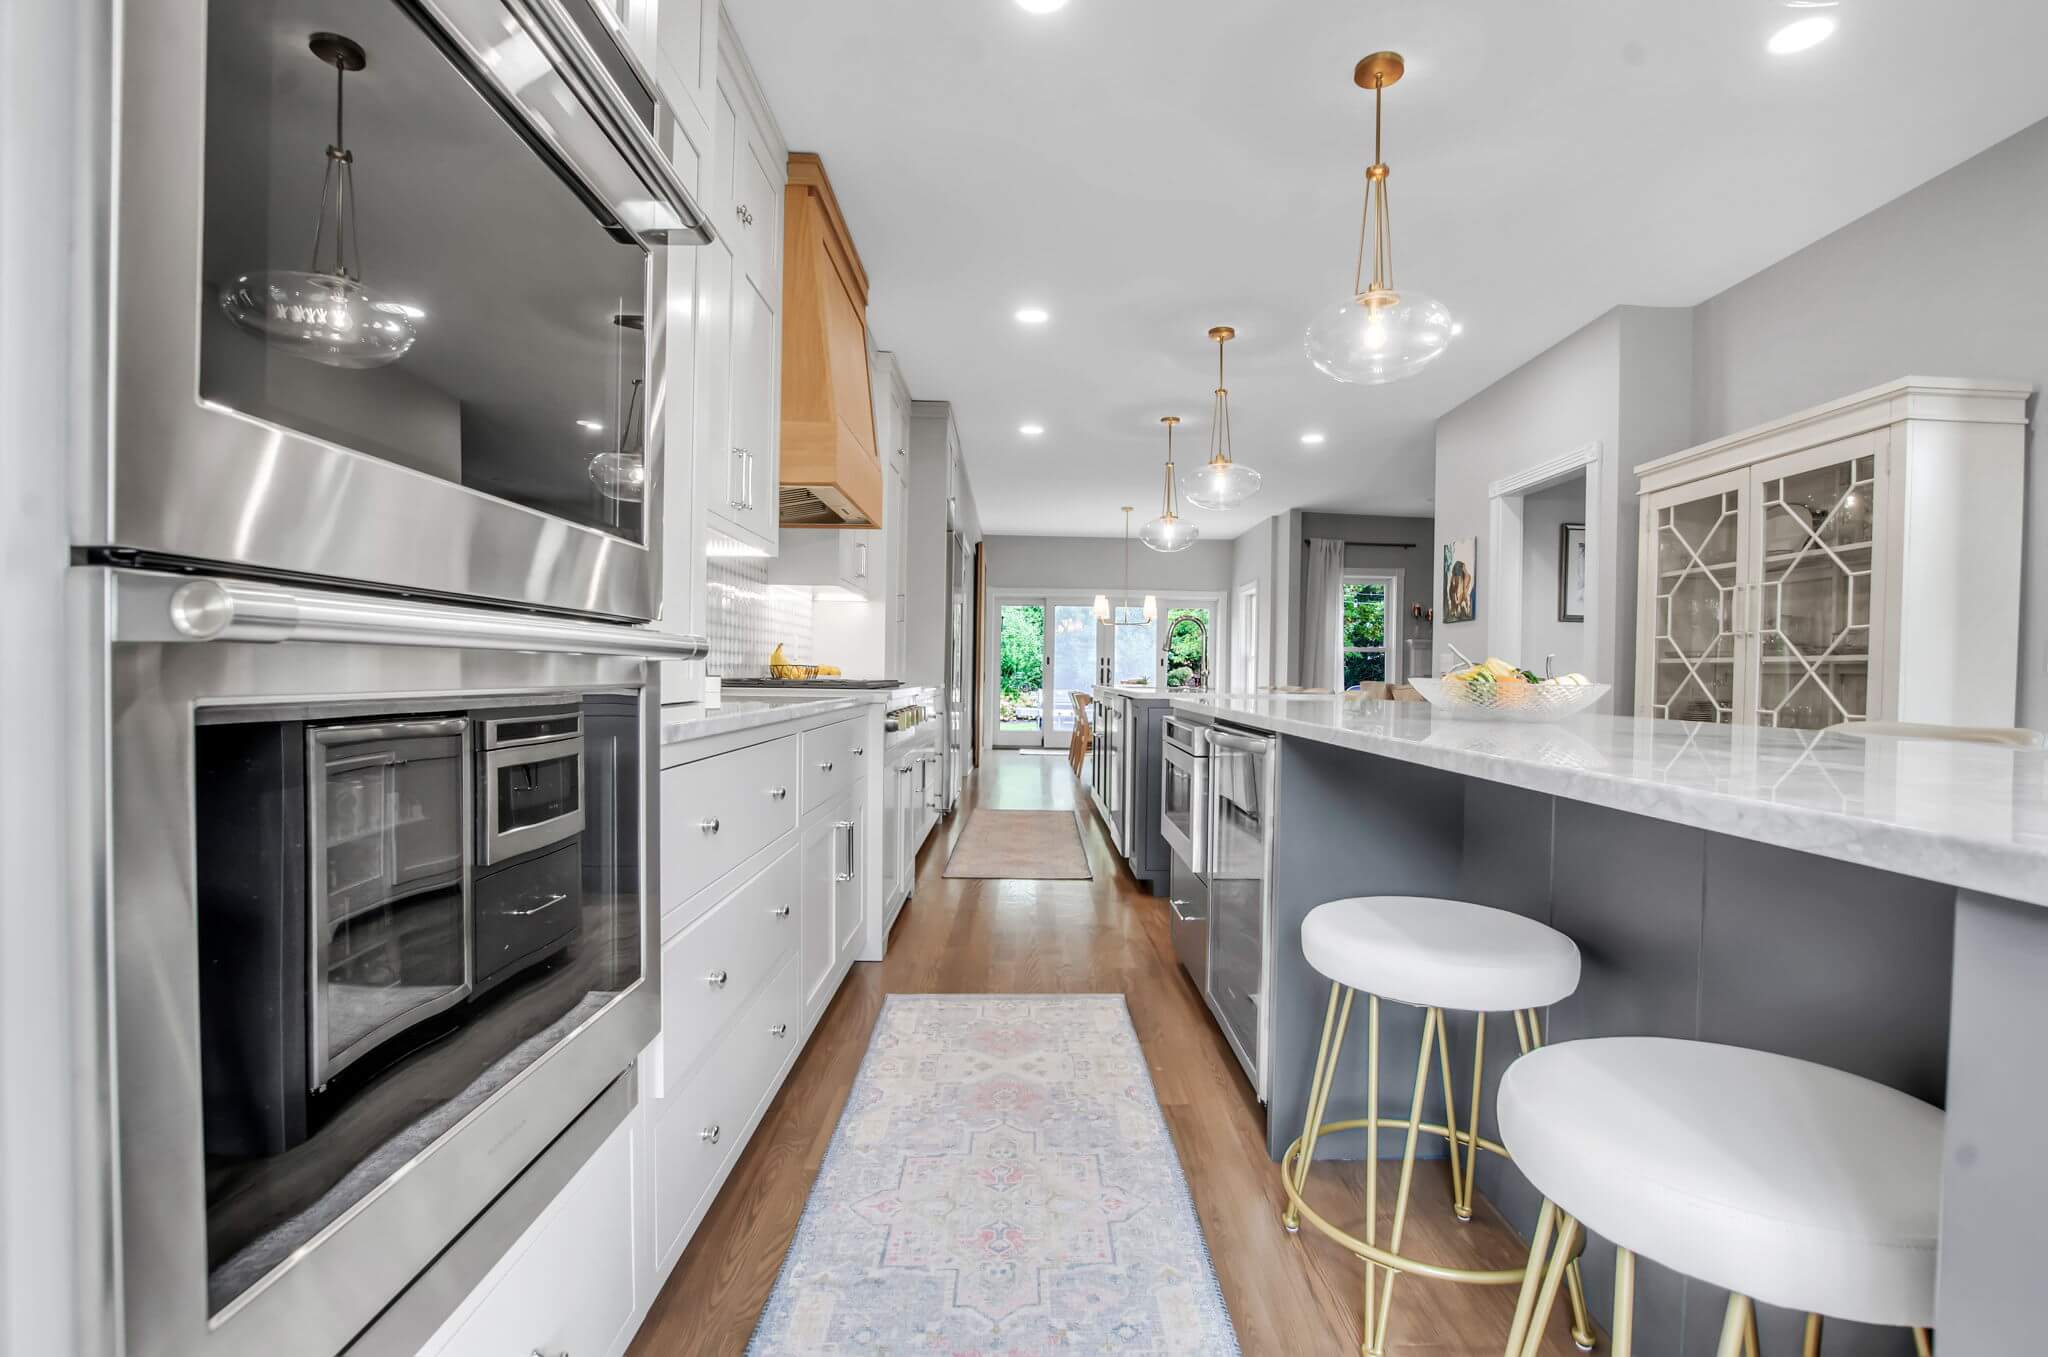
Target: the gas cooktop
pixel 811 683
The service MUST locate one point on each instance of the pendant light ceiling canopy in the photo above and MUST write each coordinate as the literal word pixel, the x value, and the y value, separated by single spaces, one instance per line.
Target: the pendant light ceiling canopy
pixel 1224 483
pixel 1379 333
pixel 1169 531
pixel 1115 616
pixel 324 313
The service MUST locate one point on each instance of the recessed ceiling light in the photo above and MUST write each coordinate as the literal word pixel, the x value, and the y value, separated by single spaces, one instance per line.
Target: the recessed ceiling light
pixel 1032 315
pixel 1041 6
pixel 1801 34
pixel 1031 430
pixel 1311 440
pixel 594 425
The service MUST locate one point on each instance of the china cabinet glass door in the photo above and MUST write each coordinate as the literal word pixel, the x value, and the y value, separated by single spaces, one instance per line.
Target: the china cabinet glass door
pixel 1812 609
pixel 1696 535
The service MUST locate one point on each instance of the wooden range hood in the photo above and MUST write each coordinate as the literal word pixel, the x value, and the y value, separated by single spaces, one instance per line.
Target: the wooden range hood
pixel 831 472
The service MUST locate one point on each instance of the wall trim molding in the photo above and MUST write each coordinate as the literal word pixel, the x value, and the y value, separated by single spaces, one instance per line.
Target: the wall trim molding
pixel 1543 473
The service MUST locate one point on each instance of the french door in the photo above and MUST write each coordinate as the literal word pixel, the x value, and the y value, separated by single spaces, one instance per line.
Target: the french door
pixel 1046 652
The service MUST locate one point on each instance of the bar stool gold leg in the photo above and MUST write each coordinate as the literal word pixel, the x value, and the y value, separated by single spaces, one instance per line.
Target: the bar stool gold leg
pixel 1553 1280
pixel 1454 1145
pixel 1624 1335
pixel 1377 1337
pixel 1735 1327
pixel 1582 1321
pixel 1923 1342
pixel 1464 1206
pixel 1325 1074
pixel 1532 1279
pixel 1811 1346
pixel 1751 1346
pixel 1372 1164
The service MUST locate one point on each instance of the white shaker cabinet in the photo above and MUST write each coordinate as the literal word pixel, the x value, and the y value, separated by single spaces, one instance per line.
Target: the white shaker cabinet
pixel 1857 561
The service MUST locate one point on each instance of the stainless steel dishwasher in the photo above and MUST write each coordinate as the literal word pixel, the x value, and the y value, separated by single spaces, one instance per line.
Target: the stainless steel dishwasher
pixel 1242 802
pixel 1184 823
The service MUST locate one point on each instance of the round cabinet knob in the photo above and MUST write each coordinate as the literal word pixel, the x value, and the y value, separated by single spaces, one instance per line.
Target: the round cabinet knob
pixel 780 1029
pixel 709 1135
pixel 826 766
pixel 782 911
pixel 859 750
pixel 716 979
pixel 777 793
pixel 709 826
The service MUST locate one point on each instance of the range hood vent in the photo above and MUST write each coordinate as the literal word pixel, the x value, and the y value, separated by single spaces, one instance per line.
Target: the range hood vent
pixel 820 506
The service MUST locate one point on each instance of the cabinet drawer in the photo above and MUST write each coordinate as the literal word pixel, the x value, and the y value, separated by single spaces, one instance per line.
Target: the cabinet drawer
pixel 571 1289
pixel 718 812
pixel 713 968
pixel 831 764
pixel 700 1129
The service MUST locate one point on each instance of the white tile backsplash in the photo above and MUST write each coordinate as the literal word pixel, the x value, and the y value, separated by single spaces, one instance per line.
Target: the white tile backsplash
pixel 746 617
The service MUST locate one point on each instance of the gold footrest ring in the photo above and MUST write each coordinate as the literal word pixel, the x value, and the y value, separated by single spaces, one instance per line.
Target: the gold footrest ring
pixel 1372 1253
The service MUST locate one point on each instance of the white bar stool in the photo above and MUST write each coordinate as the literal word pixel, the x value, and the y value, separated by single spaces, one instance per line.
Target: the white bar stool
pixel 1781 1180
pixel 1433 955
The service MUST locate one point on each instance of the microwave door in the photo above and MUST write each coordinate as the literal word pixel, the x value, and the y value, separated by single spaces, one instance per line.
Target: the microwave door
pixel 439 369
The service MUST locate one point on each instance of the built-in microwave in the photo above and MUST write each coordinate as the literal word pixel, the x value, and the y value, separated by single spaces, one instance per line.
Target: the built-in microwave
pixel 379 901
pixel 391 300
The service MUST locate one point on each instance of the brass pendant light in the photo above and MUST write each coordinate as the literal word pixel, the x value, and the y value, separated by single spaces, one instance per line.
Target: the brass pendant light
pixel 1224 483
pixel 1169 531
pixel 1379 333
pixel 1115 616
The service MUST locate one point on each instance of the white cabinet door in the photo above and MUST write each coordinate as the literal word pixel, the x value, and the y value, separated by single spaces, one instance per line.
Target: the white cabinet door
pixel 686 43
pixel 716 461
pixel 894 791
pixel 1694 579
pixel 757 209
pixel 849 889
pixel 1816 610
pixel 819 851
pixel 756 414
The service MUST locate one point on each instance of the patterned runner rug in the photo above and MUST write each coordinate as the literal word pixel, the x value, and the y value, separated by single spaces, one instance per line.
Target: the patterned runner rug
pixel 1001 1182
pixel 1020 845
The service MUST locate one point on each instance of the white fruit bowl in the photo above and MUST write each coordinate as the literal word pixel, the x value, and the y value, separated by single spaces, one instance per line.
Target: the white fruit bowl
pixel 1510 701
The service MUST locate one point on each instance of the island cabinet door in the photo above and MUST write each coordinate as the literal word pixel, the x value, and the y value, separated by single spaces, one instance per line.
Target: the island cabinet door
pixel 1690 665
pixel 1815 610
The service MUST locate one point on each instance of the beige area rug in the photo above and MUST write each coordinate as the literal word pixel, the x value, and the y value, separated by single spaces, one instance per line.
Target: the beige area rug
pixel 1020 845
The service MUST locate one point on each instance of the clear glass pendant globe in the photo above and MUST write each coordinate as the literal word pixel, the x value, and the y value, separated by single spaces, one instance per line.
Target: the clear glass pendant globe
pixel 1356 342
pixel 321 317
pixel 1168 534
pixel 620 476
pixel 1221 485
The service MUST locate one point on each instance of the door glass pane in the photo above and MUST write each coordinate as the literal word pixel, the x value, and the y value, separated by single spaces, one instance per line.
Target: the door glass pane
pixel 344 293
pixel 1136 648
pixel 1190 655
pixel 1814 603
pixel 1073 660
pixel 1694 643
pixel 1020 706
pixel 1365 632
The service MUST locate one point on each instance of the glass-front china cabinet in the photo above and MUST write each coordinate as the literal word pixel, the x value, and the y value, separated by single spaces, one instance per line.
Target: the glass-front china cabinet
pixel 1858 561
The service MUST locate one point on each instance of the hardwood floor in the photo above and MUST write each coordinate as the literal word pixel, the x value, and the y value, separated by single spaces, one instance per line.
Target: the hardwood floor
pixel 1288 1294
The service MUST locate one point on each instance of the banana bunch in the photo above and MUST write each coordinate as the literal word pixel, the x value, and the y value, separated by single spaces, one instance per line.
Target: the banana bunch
pixel 1498 671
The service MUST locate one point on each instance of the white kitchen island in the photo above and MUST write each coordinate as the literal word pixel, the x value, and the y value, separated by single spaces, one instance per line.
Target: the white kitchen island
pixel 1875 905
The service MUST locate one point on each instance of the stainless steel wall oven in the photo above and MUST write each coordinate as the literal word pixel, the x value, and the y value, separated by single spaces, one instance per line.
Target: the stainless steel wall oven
pixel 380 902
pixel 389 300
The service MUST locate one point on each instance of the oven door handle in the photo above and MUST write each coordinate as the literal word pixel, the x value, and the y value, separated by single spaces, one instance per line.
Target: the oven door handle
pixel 154 609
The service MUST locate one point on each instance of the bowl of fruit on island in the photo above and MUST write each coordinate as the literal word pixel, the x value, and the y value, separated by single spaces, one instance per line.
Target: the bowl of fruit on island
pixel 1501 690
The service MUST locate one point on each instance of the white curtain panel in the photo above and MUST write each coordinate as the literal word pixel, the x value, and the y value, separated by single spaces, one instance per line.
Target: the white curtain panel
pixel 1321 603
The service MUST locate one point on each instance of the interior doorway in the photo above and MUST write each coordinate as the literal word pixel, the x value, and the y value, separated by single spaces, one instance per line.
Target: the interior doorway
pixel 1536 567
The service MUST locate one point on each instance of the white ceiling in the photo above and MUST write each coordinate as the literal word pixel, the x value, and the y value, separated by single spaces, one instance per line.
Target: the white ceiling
pixel 1145 169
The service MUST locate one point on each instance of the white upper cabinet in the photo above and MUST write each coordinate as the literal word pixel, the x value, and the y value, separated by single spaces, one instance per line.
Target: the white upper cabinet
pixel 686 42
pixel 1858 561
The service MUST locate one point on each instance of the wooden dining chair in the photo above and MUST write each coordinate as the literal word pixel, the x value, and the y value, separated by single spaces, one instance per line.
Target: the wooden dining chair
pixel 1084 733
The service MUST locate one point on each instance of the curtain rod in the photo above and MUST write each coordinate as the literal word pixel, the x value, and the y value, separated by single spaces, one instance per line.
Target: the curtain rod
pixel 1404 546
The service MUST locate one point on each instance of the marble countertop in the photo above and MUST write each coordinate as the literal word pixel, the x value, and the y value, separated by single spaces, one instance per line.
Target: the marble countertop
pixel 1972 816
pixel 694 721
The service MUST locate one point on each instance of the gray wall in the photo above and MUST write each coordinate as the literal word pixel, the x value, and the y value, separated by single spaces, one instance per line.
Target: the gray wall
pixel 1251 562
pixel 1543 514
pixel 1948 280
pixel 1623 381
pixel 1369 536
pixel 1092 564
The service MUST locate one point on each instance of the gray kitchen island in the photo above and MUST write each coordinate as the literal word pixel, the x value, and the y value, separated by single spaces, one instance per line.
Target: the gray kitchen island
pixel 1876 905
